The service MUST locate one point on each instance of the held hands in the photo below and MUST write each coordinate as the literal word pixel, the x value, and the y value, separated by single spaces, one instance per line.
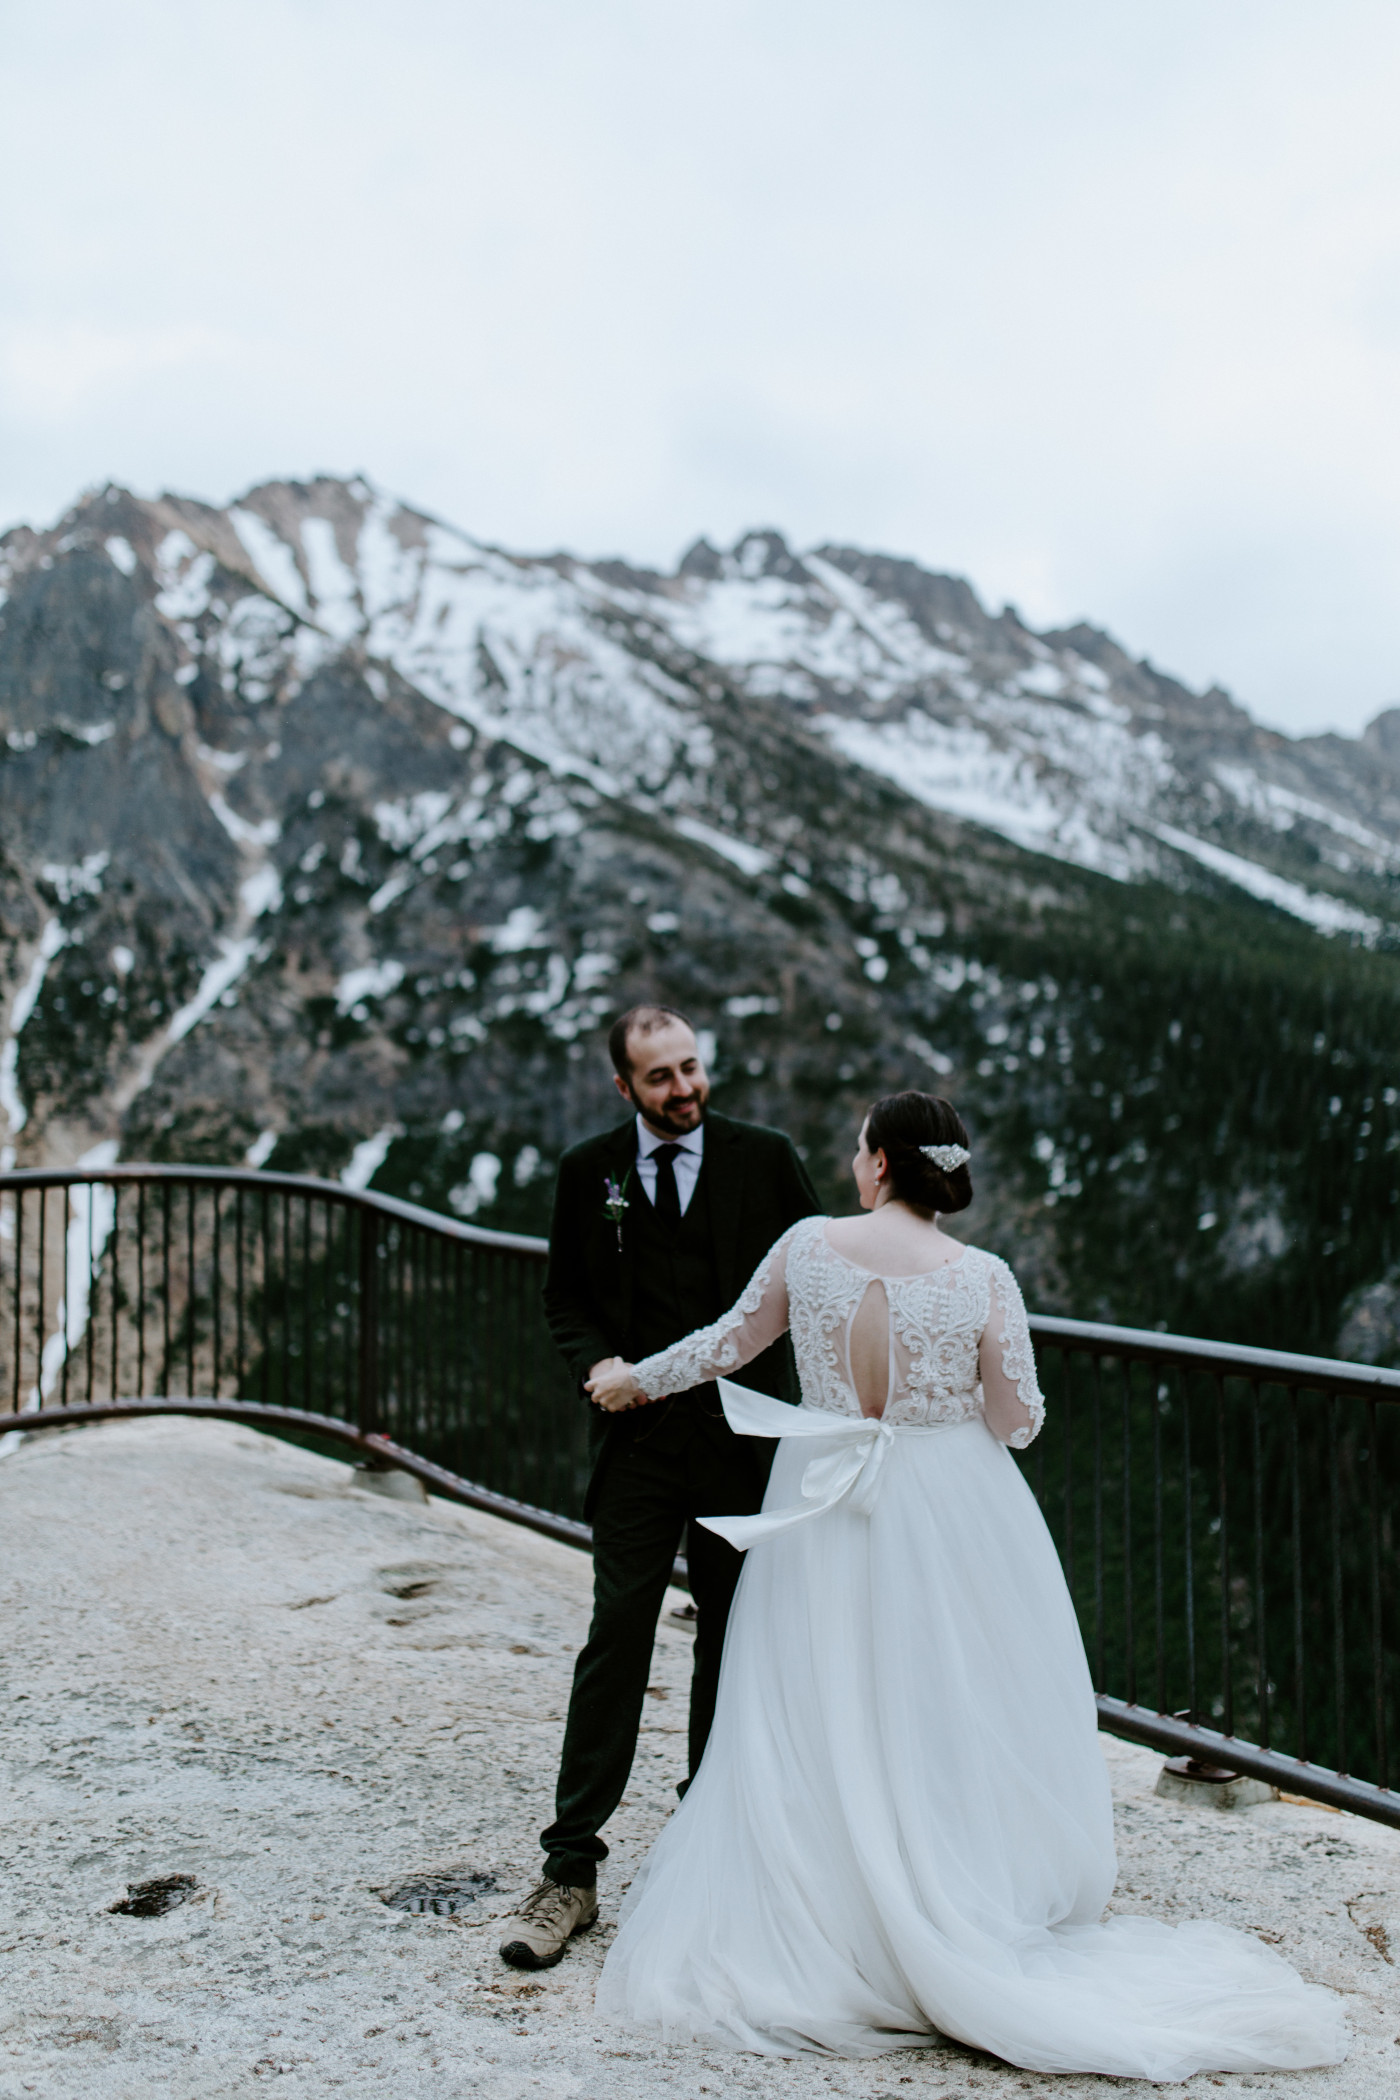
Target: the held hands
pixel 612 1386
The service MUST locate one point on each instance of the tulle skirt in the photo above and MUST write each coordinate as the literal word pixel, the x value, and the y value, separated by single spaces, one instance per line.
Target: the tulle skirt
pixel 902 1826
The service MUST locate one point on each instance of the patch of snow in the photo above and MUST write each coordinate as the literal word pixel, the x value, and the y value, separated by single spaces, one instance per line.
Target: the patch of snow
pixel 265 833
pixel 1327 914
pixel 221 761
pixel 524 928
pixel 479 1188
pixel 750 860
pixel 121 554
pixel 184 575
pixel 261 1149
pixel 403 824
pixel 272 559
pixel 745 1004
pixel 368 1157
pixel 51 940
pixel 233 959
pixel 262 892
pixel 591 968
pixel 91 733
pixel 371 981
pixel 389 892
pixel 388 571
pixel 1281 807
pixel 333 589
pixel 83 879
pixel 123 960
pixel 960 769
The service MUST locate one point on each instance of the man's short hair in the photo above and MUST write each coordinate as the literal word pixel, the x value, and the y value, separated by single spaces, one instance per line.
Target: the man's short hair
pixel 638 1020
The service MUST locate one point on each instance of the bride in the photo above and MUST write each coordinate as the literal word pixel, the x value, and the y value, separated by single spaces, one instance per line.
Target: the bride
pixel 902 1825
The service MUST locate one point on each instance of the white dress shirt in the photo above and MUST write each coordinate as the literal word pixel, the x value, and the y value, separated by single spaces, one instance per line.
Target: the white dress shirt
pixel 685 1166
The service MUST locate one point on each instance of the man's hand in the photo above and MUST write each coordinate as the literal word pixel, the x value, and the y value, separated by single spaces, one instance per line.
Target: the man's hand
pixel 611 1386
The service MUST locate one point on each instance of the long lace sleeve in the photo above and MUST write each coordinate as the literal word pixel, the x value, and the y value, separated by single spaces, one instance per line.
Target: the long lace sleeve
pixel 756 1319
pixel 1011 1395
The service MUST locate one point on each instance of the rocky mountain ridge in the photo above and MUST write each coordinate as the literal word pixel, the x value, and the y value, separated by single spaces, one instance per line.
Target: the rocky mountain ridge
pixel 333 837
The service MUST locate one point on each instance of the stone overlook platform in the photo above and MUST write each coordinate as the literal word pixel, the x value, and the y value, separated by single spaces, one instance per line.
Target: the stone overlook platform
pixel 225 1661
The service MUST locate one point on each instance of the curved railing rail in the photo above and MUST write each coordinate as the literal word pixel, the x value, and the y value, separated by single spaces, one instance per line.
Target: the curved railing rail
pixel 1225 1515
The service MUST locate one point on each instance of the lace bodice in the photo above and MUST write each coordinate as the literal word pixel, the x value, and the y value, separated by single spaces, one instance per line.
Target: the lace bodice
pixel 959 1343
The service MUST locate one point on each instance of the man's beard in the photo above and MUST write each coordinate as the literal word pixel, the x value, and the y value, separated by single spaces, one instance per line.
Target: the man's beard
pixel 659 1120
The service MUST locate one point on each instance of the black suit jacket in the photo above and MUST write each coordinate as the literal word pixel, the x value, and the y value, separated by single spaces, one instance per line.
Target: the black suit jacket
pixel 757 1186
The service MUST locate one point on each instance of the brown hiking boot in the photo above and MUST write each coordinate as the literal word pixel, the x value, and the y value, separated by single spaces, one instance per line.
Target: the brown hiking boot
pixel 545 1923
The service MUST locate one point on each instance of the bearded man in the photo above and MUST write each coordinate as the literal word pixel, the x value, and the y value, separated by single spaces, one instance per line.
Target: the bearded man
pixel 657 1227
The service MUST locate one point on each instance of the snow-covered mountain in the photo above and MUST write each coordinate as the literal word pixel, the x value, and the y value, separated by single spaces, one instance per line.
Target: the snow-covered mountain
pixel 1059 741
pixel 334 836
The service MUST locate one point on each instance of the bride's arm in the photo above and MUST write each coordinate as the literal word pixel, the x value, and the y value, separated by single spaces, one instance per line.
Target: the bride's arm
pixel 751 1325
pixel 1012 1401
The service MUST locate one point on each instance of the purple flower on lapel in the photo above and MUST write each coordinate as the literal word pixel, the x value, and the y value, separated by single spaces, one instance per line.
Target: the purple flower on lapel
pixel 615 1194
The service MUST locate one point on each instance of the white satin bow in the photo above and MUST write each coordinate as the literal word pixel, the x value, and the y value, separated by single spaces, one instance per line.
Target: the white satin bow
pixel 852 1467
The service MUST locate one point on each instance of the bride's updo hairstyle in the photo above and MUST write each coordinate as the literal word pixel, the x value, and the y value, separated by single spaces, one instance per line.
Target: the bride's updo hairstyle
pixel 898 1126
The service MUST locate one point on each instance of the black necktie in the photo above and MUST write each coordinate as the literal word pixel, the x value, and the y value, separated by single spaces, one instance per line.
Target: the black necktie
pixel 668 1198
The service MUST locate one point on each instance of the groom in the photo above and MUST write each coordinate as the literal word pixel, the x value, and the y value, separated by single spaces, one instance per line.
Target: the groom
pixel 658 1225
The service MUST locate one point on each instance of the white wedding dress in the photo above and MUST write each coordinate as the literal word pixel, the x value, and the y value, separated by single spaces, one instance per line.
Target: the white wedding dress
pixel 902 1825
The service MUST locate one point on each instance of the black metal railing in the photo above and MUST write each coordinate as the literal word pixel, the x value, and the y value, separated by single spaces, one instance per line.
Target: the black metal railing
pixel 216 1284
pixel 1225 1516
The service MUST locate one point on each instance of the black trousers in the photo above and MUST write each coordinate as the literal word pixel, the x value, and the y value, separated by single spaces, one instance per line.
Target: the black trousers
pixel 651 1492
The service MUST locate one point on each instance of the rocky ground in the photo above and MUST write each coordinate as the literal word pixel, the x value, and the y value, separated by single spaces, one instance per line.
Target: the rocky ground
pixel 229 1663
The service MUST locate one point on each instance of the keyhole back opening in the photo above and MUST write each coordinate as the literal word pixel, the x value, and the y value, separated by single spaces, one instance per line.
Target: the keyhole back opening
pixel 870 1350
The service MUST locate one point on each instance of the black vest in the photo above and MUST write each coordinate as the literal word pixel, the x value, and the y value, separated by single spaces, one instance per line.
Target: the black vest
pixel 674 1285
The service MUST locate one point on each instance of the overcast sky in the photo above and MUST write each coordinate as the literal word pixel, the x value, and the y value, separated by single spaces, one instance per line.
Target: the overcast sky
pixel 1094 302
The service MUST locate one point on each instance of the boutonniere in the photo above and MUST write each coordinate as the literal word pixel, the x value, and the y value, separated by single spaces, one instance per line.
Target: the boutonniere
pixel 615 1203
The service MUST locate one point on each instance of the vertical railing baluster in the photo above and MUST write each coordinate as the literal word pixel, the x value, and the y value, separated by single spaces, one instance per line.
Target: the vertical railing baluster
pixel 429 1429
pixel 140 1289
pixel 240 1334
pixel 41 1310
pixel 306 1303
pixel 1300 1648
pixel 367 1397
pixel 1159 1590
pixel 1193 1704
pixel 458 1447
pixel 327 1306
pixel 92 1289
pixel 350 1333
pixel 114 1278
pixel 191 1292
pixel 19 1297
pixel 1261 1631
pixel 65 1301
pixel 1099 1685
pixel 1129 1634
pixel 1339 1674
pixel 1378 1649
pixel 165 1196
pixel 1227 1680
pixel 1067 1413
pixel 217 1288
pixel 285 1392
pixel 266 1301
